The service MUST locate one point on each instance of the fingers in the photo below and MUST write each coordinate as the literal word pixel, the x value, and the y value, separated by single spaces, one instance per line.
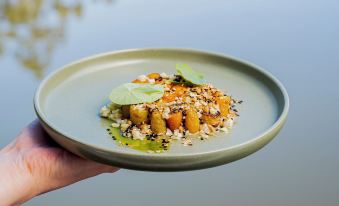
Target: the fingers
pixel 50 167
pixel 85 169
pixel 61 168
pixel 101 168
pixel 34 135
pixel 89 167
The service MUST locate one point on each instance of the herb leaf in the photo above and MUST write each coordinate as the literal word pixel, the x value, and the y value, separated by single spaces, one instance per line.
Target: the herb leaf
pixel 189 74
pixel 132 93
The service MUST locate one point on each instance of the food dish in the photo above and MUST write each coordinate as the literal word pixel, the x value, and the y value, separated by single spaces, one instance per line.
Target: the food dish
pixel 67 99
pixel 164 108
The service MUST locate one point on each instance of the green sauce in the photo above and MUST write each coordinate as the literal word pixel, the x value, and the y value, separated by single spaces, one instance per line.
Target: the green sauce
pixel 145 145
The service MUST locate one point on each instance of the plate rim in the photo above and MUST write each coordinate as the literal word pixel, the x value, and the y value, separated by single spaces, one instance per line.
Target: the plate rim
pixel 271 130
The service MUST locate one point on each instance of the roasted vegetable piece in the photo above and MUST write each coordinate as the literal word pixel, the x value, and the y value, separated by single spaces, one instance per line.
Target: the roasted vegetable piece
pixel 192 121
pixel 210 119
pixel 125 111
pixel 158 124
pixel 138 115
pixel 139 81
pixel 153 75
pixel 224 105
pixel 168 97
pixel 179 91
pixel 174 121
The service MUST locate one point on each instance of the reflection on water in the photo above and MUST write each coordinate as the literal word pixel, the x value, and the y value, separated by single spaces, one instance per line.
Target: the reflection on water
pixel 30 30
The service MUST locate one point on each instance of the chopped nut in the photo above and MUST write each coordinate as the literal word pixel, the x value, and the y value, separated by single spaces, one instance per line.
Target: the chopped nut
pixel 115 125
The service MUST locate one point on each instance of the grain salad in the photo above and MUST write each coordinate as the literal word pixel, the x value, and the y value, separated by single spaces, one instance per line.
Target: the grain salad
pixel 166 108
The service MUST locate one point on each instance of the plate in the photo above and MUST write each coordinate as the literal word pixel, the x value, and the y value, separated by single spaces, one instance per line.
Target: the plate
pixel 68 101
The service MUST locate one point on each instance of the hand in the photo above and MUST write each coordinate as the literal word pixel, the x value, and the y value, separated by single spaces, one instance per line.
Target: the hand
pixel 33 164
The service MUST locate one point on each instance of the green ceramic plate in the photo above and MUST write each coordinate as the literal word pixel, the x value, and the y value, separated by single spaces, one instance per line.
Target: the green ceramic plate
pixel 67 103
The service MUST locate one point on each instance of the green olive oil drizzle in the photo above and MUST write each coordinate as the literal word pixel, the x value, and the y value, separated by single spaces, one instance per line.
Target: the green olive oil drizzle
pixel 147 145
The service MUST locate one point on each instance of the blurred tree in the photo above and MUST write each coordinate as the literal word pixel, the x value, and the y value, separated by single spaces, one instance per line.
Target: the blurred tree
pixel 26 27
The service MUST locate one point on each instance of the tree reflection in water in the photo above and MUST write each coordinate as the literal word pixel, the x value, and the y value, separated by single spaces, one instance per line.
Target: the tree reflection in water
pixel 30 30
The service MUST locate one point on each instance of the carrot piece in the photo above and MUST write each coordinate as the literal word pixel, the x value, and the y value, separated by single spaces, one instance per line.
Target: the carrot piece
pixel 174 121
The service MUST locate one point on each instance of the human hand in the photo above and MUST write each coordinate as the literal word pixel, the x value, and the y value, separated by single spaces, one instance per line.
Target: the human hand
pixel 33 164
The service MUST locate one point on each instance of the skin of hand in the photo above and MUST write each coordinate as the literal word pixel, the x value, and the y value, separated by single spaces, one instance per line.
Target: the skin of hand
pixel 33 164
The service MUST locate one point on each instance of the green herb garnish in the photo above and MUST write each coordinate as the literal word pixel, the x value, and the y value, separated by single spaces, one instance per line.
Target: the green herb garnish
pixel 133 93
pixel 190 75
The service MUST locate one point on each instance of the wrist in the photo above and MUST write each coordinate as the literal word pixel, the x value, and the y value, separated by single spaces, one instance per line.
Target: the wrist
pixel 17 185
